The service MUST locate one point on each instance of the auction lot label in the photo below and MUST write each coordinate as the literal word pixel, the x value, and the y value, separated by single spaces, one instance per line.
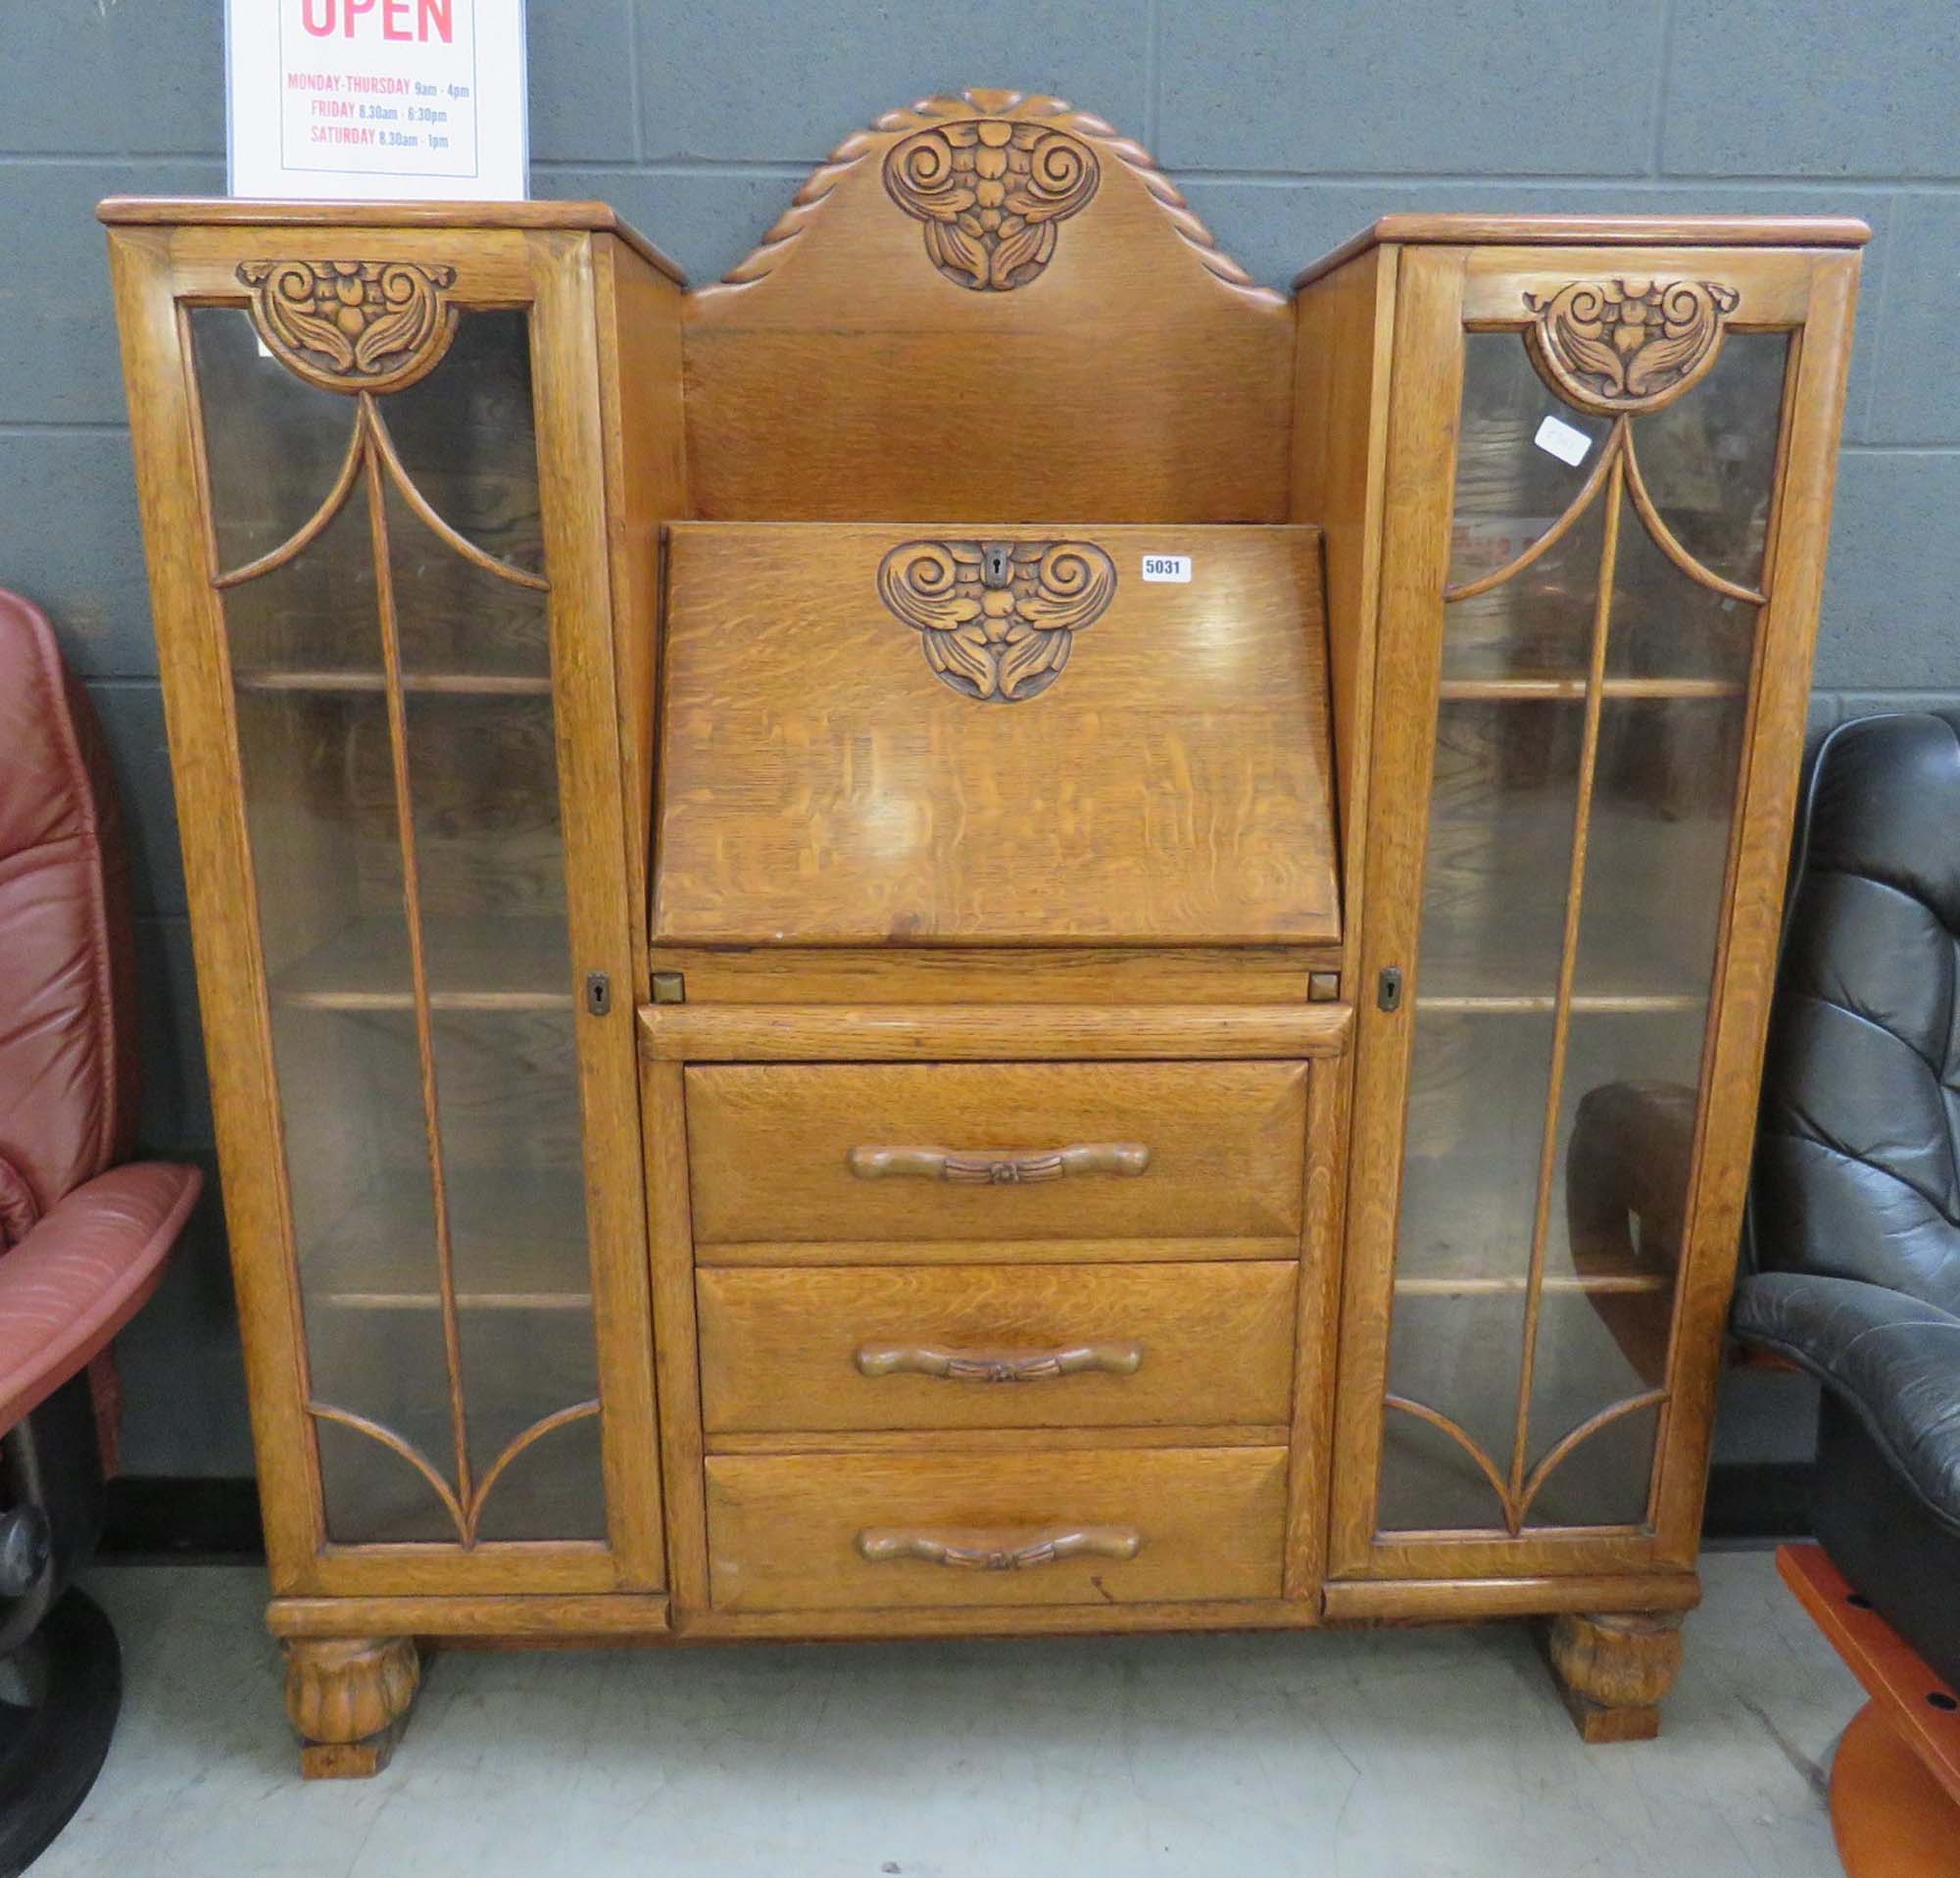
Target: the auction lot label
pixel 376 99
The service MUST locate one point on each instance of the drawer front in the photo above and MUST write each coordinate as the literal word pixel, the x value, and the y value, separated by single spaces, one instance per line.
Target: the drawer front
pixel 832 1532
pixel 996 1346
pixel 790 1151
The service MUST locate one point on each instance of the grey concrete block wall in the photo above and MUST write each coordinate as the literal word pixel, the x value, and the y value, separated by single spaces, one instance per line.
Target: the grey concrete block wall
pixel 1289 126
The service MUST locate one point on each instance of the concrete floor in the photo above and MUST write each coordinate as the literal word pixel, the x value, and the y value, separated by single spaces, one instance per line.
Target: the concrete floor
pixel 1387 1755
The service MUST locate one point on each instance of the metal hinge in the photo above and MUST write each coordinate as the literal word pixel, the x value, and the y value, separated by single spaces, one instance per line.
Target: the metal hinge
pixel 1389 988
pixel 597 993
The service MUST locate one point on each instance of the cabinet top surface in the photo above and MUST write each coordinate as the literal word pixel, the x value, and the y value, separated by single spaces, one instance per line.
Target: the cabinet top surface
pixel 1524 230
pixel 1601 231
pixel 595 217
pixel 1007 734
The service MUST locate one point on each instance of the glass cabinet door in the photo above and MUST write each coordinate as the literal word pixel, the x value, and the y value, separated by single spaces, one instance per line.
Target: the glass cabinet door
pixel 1589 683
pixel 387 613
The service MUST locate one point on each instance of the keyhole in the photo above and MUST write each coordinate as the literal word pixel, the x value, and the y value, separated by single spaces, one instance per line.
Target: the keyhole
pixel 995 565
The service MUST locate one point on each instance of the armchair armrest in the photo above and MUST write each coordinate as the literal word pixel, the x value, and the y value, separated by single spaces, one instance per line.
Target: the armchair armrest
pixel 83 1272
pixel 1893 1360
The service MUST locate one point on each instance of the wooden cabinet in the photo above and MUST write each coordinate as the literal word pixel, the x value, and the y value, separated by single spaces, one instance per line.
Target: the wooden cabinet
pixel 1600 624
pixel 1111 927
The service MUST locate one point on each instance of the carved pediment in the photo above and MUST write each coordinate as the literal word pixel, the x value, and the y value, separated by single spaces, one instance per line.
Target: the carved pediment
pixel 993 175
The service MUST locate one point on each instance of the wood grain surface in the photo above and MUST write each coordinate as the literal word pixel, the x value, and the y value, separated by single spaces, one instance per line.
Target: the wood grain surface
pixel 821 784
pixel 838 374
pixel 779 1349
pixel 769 1147
pixel 783 1529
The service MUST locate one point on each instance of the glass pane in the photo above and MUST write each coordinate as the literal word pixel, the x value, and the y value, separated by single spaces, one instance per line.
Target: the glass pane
pixel 1476 1118
pixel 465 436
pixel 1709 457
pixel 1667 626
pixel 1502 801
pixel 1657 845
pixel 407 1114
pixel 1509 492
pixel 278 443
pixel 459 621
pixel 315 616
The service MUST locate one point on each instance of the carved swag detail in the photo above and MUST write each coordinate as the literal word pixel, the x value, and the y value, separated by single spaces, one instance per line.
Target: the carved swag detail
pixel 997 620
pixel 989 193
pixel 1612 346
pixel 353 326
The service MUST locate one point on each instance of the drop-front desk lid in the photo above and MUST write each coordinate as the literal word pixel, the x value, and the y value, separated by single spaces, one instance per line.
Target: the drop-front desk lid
pixel 1016 735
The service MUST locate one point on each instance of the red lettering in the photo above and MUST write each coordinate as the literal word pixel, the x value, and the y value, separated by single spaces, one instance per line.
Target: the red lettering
pixel 431 19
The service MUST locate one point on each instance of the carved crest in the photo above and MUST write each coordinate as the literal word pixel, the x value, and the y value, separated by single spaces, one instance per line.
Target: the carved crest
pixel 353 326
pixel 997 618
pixel 1612 346
pixel 1084 147
pixel 989 193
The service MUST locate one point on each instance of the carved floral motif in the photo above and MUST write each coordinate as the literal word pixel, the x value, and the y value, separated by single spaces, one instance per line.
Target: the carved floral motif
pixel 1613 346
pixel 997 618
pixel 991 192
pixel 353 326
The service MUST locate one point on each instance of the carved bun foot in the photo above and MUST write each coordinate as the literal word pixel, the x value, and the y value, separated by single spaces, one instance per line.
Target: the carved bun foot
pixel 1614 1671
pixel 348 1698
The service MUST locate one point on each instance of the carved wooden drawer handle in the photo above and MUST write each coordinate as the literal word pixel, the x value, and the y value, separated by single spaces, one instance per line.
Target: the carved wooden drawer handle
pixel 1000 1169
pixel 999 1550
pixel 998 1366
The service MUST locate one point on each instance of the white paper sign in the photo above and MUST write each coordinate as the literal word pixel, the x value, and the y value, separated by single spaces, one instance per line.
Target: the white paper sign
pixel 376 100
pixel 1167 567
pixel 1566 441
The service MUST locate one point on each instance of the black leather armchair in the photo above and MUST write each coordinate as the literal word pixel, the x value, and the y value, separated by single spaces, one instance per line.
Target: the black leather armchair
pixel 1855 1205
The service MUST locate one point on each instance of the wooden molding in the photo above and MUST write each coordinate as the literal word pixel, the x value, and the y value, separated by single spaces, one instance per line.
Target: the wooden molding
pixel 353 326
pixel 991 194
pixel 1069 145
pixel 997 620
pixel 1593 231
pixel 949 1033
pixel 1626 345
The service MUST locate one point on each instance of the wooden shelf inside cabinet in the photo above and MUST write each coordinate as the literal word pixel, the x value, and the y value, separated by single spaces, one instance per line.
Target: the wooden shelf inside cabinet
pixel 453 684
pixel 1526 688
pixel 1603 1002
pixel 477 962
pixel 1471 1284
pixel 520 1245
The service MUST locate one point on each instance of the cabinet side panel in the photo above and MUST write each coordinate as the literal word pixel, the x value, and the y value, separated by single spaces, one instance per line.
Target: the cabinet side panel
pixel 1340 459
pixel 1422 423
pixel 605 934
pixel 646 486
pixel 217 874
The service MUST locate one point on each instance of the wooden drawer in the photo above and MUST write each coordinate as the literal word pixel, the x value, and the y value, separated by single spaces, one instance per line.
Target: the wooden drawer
pixel 797 1152
pixel 830 1532
pixel 996 1346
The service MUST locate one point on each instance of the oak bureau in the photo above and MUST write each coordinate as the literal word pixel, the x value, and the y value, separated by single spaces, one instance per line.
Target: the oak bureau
pixel 982 931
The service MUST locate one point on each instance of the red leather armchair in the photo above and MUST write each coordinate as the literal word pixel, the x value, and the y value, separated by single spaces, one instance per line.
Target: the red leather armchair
pixel 84 1232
